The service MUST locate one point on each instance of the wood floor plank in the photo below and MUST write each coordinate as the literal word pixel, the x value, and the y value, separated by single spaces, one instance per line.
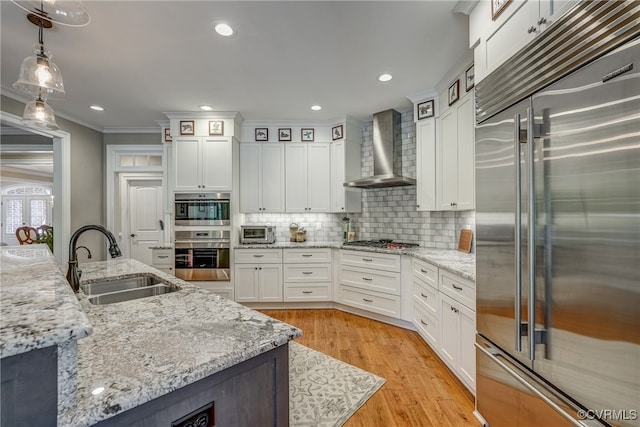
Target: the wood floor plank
pixel 420 390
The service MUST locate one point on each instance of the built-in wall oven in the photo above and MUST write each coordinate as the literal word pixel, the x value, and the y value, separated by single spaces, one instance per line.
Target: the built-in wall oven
pixel 202 254
pixel 202 209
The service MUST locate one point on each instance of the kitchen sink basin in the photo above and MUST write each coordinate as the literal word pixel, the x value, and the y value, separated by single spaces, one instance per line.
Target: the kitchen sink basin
pixel 130 288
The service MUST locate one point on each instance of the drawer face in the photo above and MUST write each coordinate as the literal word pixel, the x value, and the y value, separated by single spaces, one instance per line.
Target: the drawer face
pixel 307 293
pixel 307 255
pixel 426 296
pixel 426 272
pixel 162 256
pixel 368 279
pixel 261 256
pixel 307 273
pixel 427 326
pixel 461 290
pixel 388 262
pixel 386 304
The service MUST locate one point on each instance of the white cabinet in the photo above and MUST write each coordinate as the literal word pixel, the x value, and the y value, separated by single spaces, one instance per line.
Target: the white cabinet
pixel 202 163
pixel 455 173
pixel 345 166
pixel 519 23
pixel 457 337
pixel 258 275
pixel 261 177
pixel 426 304
pixel 308 177
pixel 162 259
pixel 307 274
pixel 426 165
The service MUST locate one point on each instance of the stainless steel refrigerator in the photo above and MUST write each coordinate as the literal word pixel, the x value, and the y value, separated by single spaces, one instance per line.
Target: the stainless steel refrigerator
pixel 558 245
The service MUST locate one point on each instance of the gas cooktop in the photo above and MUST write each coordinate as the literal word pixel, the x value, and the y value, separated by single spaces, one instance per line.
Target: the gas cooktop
pixel 382 243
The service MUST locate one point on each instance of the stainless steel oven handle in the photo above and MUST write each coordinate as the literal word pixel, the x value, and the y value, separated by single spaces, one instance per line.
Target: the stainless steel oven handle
pixel 531 244
pixel 518 236
pixel 528 386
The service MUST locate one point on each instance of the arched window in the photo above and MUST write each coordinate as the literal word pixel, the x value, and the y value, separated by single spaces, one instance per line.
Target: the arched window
pixel 30 204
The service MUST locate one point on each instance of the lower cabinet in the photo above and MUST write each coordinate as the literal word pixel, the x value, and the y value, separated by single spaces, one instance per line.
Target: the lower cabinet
pixel 457 337
pixel 258 281
pixel 162 259
pixel 308 274
pixel 224 289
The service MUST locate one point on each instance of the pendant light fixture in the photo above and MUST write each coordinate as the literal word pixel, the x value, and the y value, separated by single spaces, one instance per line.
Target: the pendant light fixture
pixel 39 114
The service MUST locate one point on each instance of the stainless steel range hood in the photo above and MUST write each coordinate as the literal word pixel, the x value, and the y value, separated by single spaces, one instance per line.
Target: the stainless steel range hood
pixel 387 154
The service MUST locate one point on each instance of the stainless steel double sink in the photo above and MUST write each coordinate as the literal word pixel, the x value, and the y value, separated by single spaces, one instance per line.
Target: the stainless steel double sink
pixel 110 291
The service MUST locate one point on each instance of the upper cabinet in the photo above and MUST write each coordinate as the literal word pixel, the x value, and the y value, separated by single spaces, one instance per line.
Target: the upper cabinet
pixel 308 177
pixel 455 158
pixel 345 166
pixel 426 165
pixel 202 163
pixel 262 177
pixel 495 40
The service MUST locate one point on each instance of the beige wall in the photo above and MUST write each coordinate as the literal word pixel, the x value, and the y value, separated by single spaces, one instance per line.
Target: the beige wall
pixel 132 138
pixel 87 178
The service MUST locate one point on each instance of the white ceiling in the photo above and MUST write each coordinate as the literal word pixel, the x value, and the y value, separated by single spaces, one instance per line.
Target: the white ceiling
pixel 140 59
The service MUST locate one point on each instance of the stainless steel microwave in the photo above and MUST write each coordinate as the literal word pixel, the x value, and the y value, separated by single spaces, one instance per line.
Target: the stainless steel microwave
pixel 202 209
pixel 257 234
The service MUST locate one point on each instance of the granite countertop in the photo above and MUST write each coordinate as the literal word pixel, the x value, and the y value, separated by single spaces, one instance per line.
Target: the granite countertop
pixel 142 349
pixel 38 307
pixel 460 263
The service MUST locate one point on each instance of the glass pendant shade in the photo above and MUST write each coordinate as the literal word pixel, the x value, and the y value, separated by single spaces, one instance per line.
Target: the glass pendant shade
pixel 39 75
pixel 39 115
pixel 64 12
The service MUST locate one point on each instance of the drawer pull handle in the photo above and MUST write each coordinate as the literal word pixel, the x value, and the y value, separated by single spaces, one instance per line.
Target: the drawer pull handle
pixel 422 294
pixel 457 288
pixel 424 323
pixel 423 270
pixel 307 272
pixel 163 256
pixel 367 300
pixel 455 310
pixel 367 259
pixel 258 255
pixel 307 255
pixel 307 292
pixel 368 279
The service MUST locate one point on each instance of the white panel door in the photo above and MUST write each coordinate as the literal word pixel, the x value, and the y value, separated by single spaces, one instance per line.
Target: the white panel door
pixel 246 280
pixel 271 285
pixel 216 164
pixel 449 332
pixel 186 163
pixel 296 177
pixel 426 165
pixel 466 155
pixel 448 174
pixel 337 176
pixel 319 177
pixel 145 213
pixel 250 177
pixel 272 173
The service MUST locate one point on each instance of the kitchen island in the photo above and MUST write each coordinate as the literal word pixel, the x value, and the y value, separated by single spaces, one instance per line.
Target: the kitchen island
pixel 159 358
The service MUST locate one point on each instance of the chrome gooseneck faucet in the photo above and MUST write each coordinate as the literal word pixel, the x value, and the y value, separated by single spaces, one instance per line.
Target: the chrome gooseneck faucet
pixel 73 274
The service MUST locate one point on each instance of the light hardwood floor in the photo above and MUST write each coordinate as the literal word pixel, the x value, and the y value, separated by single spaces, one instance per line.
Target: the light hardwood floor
pixel 420 390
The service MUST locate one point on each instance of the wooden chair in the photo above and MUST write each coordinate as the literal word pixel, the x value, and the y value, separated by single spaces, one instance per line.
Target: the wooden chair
pixel 26 235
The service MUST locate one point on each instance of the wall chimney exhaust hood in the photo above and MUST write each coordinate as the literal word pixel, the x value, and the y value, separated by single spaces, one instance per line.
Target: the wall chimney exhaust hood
pixel 387 154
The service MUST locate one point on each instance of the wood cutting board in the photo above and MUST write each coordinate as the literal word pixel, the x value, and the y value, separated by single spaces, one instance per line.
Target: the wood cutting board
pixel 464 244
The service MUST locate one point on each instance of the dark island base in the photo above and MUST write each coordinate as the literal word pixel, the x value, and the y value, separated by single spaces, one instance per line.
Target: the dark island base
pixel 252 393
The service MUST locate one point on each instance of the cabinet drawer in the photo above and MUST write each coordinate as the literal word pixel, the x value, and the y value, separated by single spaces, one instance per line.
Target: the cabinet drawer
pixel 162 256
pixel 461 290
pixel 262 256
pixel 368 279
pixel 316 292
pixel 378 261
pixel 426 296
pixel 426 272
pixel 427 325
pixel 307 273
pixel 307 255
pixel 388 305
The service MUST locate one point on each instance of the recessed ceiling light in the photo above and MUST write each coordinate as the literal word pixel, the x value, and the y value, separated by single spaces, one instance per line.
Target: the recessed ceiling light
pixel 206 107
pixel 224 29
pixel 96 107
pixel 385 77
pixel 316 107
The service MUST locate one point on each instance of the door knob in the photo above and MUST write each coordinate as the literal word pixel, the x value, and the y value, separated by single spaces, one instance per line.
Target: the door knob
pixel 132 235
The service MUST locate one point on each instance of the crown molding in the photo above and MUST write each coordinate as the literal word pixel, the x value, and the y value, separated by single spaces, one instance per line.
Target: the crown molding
pixel 132 130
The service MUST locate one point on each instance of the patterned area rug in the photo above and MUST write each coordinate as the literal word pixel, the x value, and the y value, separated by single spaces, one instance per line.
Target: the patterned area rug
pixel 324 391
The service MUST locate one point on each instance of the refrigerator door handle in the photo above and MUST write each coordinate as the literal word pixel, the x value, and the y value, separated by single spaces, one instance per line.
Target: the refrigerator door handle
pixel 494 355
pixel 518 236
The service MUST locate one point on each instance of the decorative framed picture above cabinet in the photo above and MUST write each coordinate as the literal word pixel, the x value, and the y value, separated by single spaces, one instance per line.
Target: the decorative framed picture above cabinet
pixel 425 109
pixel 336 132
pixel 262 134
pixel 454 92
pixel 284 134
pixel 306 135
pixel 216 127
pixel 187 127
pixel 497 7
pixel 469 77
pixel 167 135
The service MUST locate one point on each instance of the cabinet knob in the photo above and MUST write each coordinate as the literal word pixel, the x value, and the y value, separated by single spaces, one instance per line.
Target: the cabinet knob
pixel 542 21
pixel 532 29
pixel 417 206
